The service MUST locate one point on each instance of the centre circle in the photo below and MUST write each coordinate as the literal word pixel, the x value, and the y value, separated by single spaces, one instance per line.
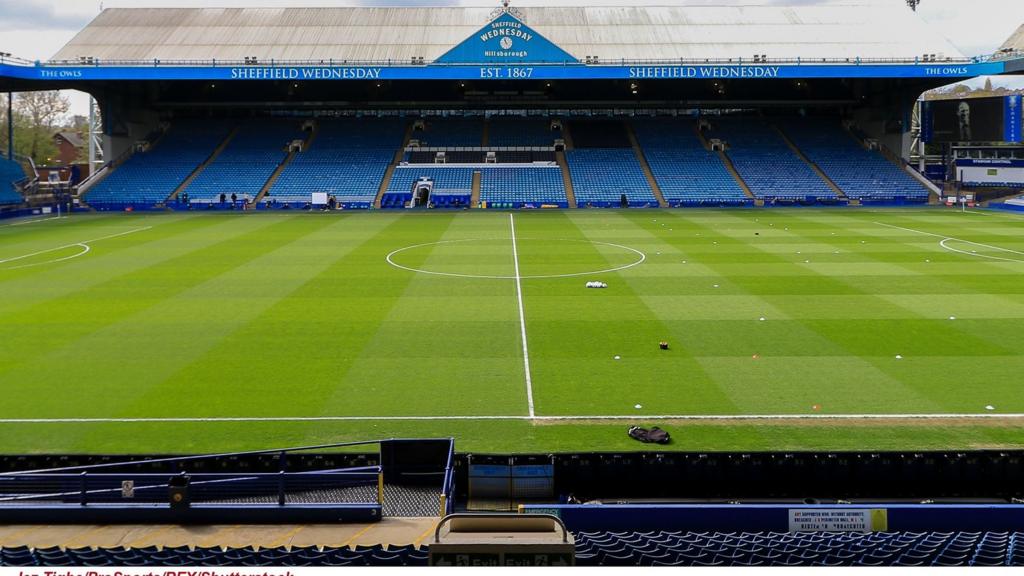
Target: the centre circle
pixel 475 257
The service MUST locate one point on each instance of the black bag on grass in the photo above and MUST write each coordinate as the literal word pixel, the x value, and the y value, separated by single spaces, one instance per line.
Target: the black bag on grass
pixel 654 435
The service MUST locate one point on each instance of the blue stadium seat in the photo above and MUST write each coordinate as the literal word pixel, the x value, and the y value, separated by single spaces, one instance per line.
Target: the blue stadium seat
pixel 516 186
pixel 10 172
pixel 148 178
pixel 595 549
pixel 858 172
pixel 769 167
pixel 244 166
pixel 600 176
pixel 348 158
pixel 453 186
pixel 687 173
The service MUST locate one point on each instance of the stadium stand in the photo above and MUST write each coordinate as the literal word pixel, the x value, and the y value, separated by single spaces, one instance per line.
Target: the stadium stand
pixel 511 131
pixel 215 556
pixel 687 173
pixel 453 186
pixel 515 186
pixel 245 165
pixel 859 173
pixel 348 159
pixel 10 172
pixel 800 549
pixel 766 163
pixel 826 549
pixel 604 167
pixel 450 131
pixel 601 176
pixel 148 178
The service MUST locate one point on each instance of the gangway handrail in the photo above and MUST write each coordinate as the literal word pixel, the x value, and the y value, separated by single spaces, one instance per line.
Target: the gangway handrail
pixel 192 458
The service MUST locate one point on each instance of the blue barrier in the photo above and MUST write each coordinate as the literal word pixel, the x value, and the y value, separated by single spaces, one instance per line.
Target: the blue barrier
pixel 1006 207
pixel 25 212
pixel 775 517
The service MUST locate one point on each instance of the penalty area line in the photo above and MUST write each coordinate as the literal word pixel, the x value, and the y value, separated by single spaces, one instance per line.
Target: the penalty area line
pixel 944 239
pixel 33 221
pixel 82 244
pixel 567 418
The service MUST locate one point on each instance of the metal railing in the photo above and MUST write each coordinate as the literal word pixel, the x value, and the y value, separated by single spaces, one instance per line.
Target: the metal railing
pixel 448 487
pixel 175 462
pixel 149 481
pixel 281 488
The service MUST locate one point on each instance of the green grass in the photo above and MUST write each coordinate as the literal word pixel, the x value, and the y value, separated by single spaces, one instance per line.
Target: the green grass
pixel 299 315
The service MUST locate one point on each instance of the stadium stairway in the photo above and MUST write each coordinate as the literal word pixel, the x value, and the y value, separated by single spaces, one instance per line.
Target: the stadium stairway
pixel 644 166
pixel 728 166
pixel 273 178
pixel 570 195
pixel 817 170
pixel 739 179
pixel 700 136
pixel 199 169
pixel 284 164
pixel 474 197
pixel 385 182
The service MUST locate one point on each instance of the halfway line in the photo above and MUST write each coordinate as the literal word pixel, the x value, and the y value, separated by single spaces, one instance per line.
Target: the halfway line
pixel 522 317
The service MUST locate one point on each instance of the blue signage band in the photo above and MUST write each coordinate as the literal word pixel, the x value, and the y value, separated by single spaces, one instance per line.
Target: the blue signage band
pixel 568 71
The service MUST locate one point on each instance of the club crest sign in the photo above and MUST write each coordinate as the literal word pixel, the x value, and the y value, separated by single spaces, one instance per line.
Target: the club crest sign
pixel 506 39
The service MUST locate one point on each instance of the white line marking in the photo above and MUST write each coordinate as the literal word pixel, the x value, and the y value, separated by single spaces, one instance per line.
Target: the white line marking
pixel 911 230
pixel 945 239
pixel 522 316
pixel 628 417
pixel 951 249
pixel 390 260
pixel 82 243
pixel 23 222
pixel 82 253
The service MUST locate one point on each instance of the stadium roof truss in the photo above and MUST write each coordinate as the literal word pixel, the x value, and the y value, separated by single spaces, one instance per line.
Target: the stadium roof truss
pixel 837 39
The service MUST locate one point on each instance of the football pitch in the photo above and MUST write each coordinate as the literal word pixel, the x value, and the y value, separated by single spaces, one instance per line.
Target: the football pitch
pixel 788 329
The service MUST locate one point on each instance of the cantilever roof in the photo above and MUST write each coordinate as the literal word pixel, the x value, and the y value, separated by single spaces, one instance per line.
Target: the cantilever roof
pixel 869 29
pixel 1016 41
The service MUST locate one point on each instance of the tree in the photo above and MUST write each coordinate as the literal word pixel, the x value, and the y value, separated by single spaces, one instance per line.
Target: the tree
pixel 41 113
pixel 988 84
pixel 4 144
